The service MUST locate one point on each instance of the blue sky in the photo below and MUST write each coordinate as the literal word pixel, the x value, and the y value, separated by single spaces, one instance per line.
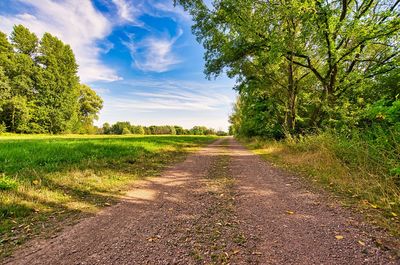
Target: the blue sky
pixel 139 55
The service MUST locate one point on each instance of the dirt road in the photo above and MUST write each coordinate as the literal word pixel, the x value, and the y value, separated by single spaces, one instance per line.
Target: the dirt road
pixel 222 205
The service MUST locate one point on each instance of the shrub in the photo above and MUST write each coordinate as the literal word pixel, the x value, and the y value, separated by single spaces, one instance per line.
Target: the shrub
pixel 7 183
pixel 3 128
pixel 126 131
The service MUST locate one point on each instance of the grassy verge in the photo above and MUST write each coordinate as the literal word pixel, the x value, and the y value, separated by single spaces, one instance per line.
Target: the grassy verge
pixel 360 171
pixel 46 182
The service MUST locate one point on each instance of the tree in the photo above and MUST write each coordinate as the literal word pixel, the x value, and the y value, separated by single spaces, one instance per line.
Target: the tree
pixel 89 102
pixel 5 88
pixel 179 130
pixel 107 128
pixel 18 70
pixel 89 106
pixel 126 130
pixel 24 41
pixel 306 60
pixel 5 45
pixel 137 130
pixel 16 114
pixel 119 127
pixel 39 86
pixel 57 84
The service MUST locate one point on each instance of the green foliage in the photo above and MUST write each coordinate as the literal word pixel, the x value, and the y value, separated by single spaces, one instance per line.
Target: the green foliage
pixel 16 114
pixel 39 86
pixel 300 66
pixel 5 88
pixel 90 103
pixel 179 130
pixel 137 130
pixel 23 40
pixel 126 131
pixel 119 127
pixel 7 183
pixel 126 128
pixel 5 45
pixel 3 128
pixel 202 130
pixel 166 129
pixel 383 113
pixel 221 133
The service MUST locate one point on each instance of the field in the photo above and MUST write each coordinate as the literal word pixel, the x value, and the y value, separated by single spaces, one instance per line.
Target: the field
pixel 49 181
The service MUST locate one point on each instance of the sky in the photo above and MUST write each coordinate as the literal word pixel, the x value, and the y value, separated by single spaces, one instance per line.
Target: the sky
pixel 138 55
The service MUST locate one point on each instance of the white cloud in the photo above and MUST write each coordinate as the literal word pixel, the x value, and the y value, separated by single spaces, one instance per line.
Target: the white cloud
pixel 167 7
pixel 153 54
pixel 79 24
pixel 127 12
pixel 75 22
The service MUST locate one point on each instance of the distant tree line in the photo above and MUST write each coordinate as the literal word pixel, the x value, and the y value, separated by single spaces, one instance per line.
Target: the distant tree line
pixel 125 127
pixel 40 91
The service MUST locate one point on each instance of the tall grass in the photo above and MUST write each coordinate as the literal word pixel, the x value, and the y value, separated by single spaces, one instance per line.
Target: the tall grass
pixel 362 167
pixel 44 180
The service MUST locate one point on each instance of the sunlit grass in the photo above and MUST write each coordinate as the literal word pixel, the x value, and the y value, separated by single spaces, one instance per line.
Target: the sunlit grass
pixel 47 179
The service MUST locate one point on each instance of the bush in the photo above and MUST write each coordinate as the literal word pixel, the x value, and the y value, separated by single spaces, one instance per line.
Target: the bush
pixel 222 133
pixel 3 127
pixel 7 183
pixel 126 131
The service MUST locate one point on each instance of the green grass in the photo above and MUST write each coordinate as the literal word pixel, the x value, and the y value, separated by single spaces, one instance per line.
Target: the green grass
pixel 358 169
pixel 47 181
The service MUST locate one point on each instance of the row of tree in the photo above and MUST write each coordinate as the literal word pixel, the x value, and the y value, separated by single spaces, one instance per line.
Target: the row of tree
pixel 40 90
pixel 303 65
pixel 126 127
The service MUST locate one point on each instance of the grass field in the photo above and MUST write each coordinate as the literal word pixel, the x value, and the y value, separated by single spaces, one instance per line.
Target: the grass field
pixel 48 181
pixel 357 171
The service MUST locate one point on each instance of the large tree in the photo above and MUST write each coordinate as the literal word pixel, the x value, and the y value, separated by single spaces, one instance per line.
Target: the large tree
pixel 39 86
pixel 57 83
pixel 324 52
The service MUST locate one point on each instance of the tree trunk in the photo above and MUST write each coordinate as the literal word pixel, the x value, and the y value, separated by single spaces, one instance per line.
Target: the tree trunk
pixel 291 100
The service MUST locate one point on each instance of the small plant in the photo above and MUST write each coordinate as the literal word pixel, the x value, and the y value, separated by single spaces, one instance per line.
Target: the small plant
pixel 6 183
pixel 3 128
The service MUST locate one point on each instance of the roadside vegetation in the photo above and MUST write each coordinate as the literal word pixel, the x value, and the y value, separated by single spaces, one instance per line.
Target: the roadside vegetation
pixel 46 181
pixel 318 88
pixel 360 170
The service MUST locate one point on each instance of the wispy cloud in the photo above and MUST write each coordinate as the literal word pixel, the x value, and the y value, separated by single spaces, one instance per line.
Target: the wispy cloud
pixel 128 12
pixel 153 54
pixel 169 101
pixel 77 23
pixel 162 8
pixel 155 95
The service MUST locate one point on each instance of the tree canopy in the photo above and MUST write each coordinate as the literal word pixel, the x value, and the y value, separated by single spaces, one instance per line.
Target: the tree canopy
pixel 40 90
pixel 301 65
